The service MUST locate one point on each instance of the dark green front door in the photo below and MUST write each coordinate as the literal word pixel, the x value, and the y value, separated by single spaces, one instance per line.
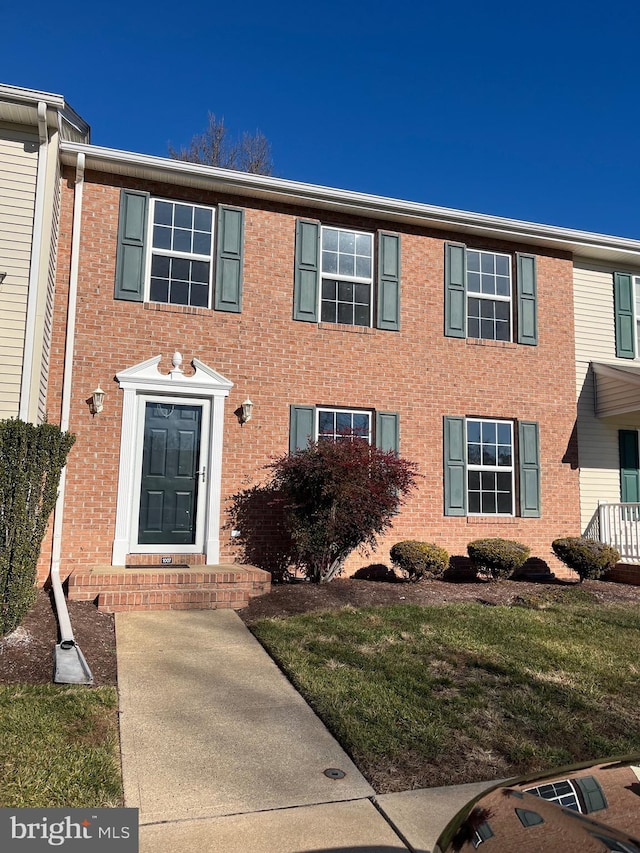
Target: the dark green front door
pixel 169 490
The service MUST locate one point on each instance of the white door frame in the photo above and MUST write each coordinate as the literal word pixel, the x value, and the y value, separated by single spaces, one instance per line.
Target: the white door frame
pixel 144 380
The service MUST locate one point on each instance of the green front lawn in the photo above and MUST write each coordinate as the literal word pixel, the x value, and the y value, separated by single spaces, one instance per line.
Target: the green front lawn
pixel 423 696
pixel 59 746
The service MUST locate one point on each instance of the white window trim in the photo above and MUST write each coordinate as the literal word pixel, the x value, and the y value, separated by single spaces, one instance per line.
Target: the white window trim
pixel 145 379
pixel 498 468
pixel 469 294
pixel 349 278
pixel 335 409
pixel 169 253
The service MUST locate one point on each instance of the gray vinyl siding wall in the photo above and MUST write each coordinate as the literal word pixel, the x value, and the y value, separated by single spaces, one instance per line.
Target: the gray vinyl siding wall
pixel 595 341
pixel 18 167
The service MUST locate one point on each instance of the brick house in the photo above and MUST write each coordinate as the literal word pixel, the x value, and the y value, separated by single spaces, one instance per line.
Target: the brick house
pixel 183 291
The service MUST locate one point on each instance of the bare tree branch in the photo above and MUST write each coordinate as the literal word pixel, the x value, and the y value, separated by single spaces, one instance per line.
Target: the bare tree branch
pixel 215 147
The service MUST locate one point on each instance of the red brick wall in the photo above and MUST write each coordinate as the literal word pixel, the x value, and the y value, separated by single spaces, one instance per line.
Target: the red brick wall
pixel 276 361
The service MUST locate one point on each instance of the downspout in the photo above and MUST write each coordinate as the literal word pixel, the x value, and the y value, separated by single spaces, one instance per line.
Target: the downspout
pixel 66 633
pixel 34 271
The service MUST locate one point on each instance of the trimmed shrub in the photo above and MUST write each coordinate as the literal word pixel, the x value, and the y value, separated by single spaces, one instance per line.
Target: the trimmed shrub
pixel 589 559
pixel 498 558
pixel 419 560
pixel 31 460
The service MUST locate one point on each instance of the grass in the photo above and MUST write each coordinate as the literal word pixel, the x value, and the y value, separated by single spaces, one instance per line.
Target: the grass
pixel 423 696
pixel 59 745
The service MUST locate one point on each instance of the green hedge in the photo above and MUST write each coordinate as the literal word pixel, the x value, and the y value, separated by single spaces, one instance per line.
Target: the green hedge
pixel 31 460
pixel 588 558
pixel 499 558
pixel 419 559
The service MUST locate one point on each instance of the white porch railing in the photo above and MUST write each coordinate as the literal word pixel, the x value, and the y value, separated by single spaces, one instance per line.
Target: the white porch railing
pixel 617 525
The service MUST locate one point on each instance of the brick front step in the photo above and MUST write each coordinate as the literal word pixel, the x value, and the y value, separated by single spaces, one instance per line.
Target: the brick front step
pixel 625 573
pixel 195 588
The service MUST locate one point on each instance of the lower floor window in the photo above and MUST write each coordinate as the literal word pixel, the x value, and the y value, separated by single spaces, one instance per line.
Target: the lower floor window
pixel 490 467
pixel 335 424
pixel 563 793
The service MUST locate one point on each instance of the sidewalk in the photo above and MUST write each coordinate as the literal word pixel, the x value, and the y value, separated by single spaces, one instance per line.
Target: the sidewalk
pixel 220 753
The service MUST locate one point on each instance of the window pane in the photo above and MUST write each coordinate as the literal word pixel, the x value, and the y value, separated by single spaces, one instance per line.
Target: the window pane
pixel 345 291
pixel 346 265
pixel 361 424
pixel 504 433
pixel 487 262
pixel 488 503
pixel 502 310
pixel 179 293
pixel 473 261
pixel 488 454
pixel 329 313
pixel 486 309
pixel 505 503
pixel 200 295
pixel 503 333
pixel 473 454
pixel 473 431
pixel 502 265
pixel 488 284
pixel 159 290
pixel 474 502
pixel 201 243
pixel 361 294
pixel 347 241
pixel 473 328
pixel 486 330
pixel 504 455
pixel 330 239
pixel 473 282
pixel 202 219
pixel 181 240
pixel 161 237
pixel 363 245
pixel 325 422
pixel 343 422
pixel 363 267
pixel 160 266
pixel 163 213
pixel 488 431
pixel 502 287
pixel 329 289
pixel 345 313
pixel 474 480
pixel 180 269
pixel 183 216
pixel 330 263
pixel 503 481
pixel 199 271
pixel 361 315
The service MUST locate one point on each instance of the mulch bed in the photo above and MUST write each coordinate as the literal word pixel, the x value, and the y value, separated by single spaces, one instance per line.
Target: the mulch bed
pixel 26 656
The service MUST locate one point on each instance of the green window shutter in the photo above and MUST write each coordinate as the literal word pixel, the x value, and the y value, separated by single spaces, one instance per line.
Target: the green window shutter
pixel 527 300
pixel 307 271
pixel 229 259
pixel 629 466
pixel 131 252
pixel 388 431
pixel 455 467
pixel 388 281
pixel 529 452
pixel 301 427
pixel 592 793
pixel 623 308
pixel 455 287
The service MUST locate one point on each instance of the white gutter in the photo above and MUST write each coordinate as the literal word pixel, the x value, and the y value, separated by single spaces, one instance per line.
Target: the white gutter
pixel 66 633
pixel 118 162
pixel 34 271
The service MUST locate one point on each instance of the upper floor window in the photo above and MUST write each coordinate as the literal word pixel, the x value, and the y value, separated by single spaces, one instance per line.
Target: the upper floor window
pixel 179 253
pixel 626 300
pixel 481 300
pixel 347 277
pixel 488 295
pixel 181 249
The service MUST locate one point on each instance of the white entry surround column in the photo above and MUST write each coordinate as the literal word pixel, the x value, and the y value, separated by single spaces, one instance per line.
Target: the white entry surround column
pixel 145 379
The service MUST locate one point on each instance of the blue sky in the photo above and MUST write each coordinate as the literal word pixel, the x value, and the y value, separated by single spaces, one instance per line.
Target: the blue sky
pixel 524 110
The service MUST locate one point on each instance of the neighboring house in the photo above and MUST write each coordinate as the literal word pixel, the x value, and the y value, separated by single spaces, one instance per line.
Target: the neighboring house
pixel 31 127
pixel 184 290
pixel 607 320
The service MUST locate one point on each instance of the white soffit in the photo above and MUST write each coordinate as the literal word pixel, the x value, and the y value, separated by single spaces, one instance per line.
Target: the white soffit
pixel 617 389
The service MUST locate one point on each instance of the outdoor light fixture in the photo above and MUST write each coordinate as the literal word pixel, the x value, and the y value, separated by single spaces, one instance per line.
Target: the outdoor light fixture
pixel 247 411
pixel 97 399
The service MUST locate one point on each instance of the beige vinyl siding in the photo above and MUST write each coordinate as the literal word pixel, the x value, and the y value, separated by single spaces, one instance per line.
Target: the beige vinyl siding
pixel 595 341
pixel 18 167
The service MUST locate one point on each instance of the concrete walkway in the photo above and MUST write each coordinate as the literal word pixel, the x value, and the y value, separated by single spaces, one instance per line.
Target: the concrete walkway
pixel 220 753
